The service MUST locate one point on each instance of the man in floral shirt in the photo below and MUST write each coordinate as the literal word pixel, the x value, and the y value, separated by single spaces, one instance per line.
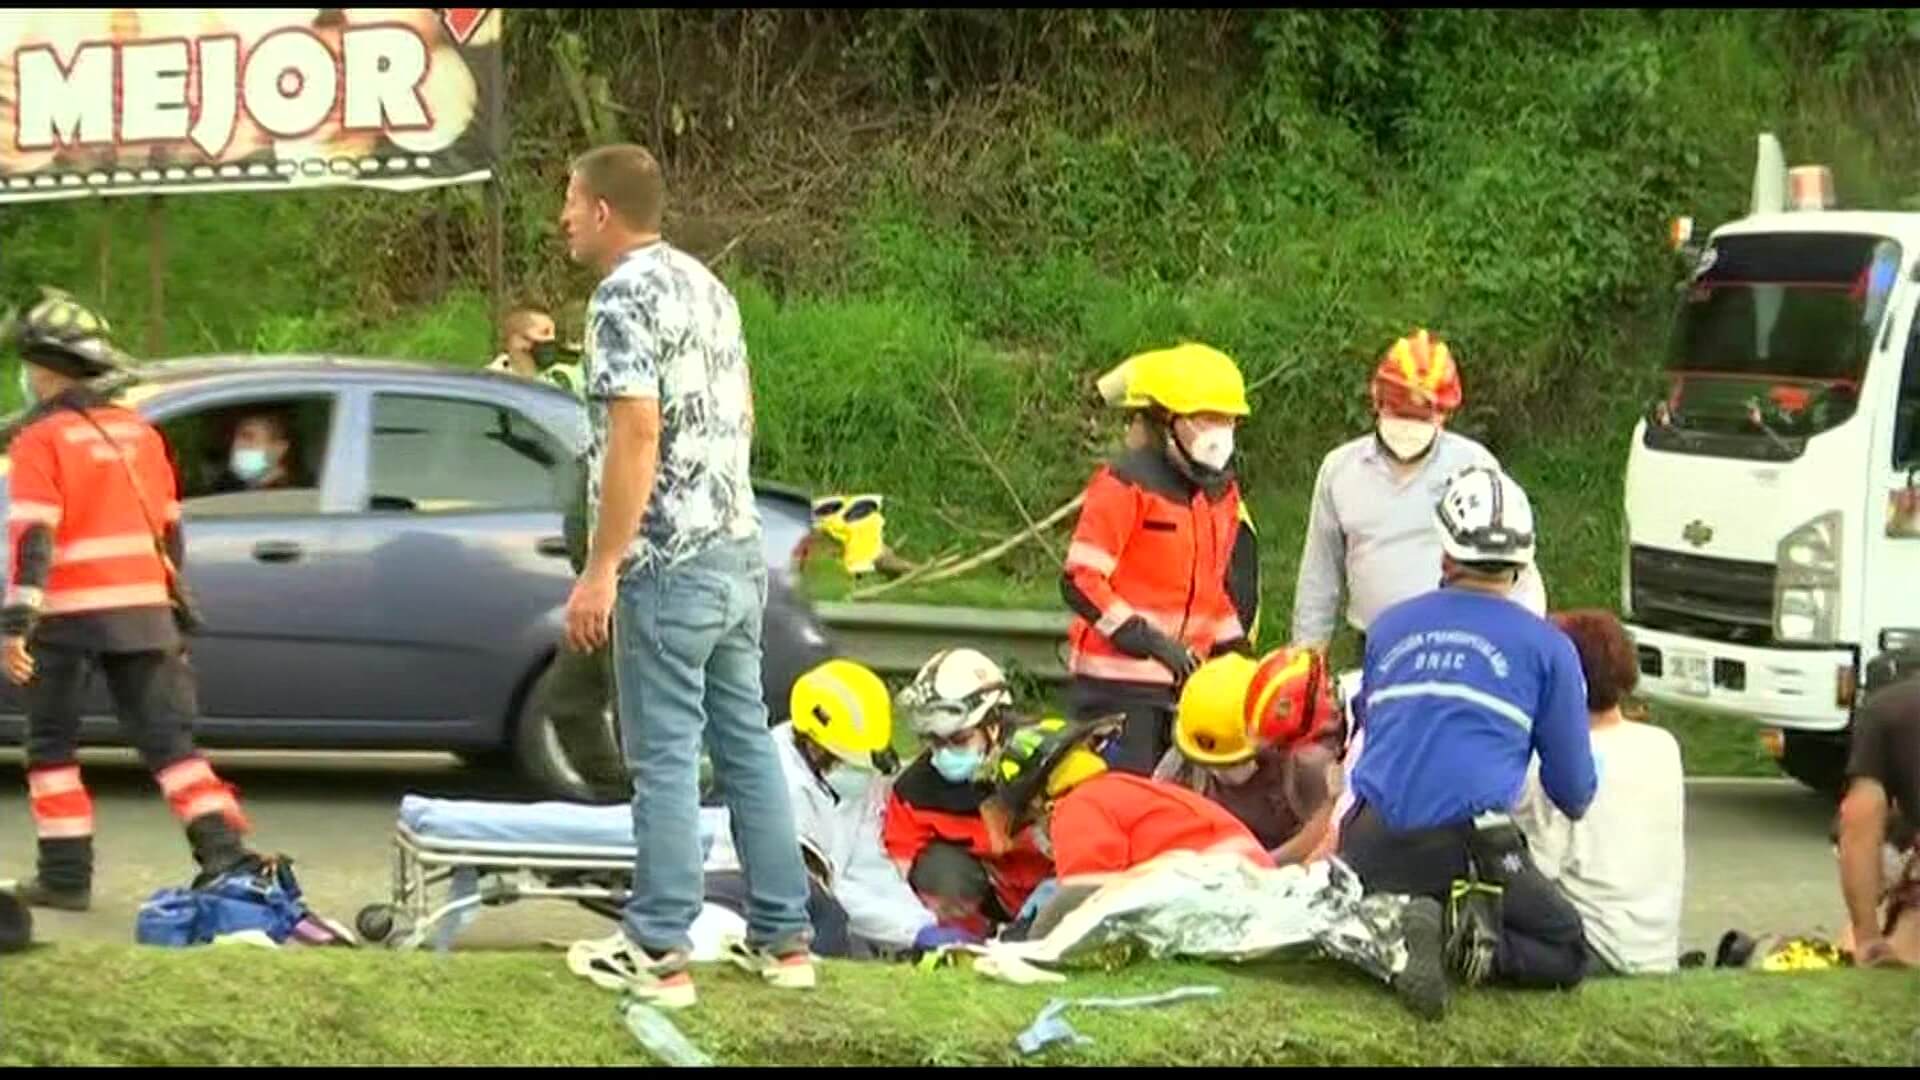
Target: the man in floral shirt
pixel 675 574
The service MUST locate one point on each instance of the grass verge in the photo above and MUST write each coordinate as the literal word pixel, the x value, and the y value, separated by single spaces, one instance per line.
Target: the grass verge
pixel 72 1005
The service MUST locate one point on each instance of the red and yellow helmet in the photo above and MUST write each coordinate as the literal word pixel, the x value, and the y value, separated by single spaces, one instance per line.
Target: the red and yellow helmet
pixel 1290 699
pixel 1417 377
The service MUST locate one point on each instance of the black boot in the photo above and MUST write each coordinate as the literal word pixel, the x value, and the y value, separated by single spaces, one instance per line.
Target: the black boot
pixel 65 878
pixel 217 848
pixel 16 923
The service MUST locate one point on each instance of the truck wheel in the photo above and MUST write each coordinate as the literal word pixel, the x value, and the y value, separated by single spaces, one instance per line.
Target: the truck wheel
pixel 1817 759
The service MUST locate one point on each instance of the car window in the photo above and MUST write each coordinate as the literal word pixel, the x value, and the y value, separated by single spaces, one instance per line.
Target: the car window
pixel 259 456
pixel 441 455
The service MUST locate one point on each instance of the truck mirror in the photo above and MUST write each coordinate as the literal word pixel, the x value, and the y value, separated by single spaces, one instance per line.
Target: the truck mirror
pixel 1903 508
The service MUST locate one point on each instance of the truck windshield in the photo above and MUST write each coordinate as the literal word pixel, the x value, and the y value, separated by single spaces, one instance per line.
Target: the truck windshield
pixel 1773 337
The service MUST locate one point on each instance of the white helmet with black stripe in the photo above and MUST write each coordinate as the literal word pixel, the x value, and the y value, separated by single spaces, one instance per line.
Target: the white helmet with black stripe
pixel 955 691
pixel 1485 519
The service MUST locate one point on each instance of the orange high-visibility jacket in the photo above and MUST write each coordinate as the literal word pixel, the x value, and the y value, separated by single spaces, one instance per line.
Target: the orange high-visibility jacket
pixel 67 478
pixel 1149 543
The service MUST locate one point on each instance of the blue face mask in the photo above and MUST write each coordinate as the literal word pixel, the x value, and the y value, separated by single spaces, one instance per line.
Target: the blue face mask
pixel 957 764
pixel 249 463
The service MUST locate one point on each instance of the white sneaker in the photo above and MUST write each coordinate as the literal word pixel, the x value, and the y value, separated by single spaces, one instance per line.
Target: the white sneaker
pixel 789 970
pixel 616 963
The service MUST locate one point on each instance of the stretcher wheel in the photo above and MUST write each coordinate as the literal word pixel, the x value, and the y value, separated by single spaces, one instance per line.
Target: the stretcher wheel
pixel 376 923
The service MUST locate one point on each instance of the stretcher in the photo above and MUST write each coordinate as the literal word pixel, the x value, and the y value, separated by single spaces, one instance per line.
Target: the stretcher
pixel 453 857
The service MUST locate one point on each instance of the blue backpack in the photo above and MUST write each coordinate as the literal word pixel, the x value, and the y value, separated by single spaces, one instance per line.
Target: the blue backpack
pixel 261 896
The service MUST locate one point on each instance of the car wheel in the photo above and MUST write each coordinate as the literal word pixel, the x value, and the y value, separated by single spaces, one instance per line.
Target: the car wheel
pixel 1816 759
pixel 543 762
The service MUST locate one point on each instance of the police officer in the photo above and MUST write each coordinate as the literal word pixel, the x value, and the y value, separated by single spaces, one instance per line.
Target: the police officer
pixel 95 549
pixel 576 692
pixel 533 351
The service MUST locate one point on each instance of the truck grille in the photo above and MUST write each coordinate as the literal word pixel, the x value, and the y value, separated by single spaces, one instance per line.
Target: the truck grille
pixel 1719 599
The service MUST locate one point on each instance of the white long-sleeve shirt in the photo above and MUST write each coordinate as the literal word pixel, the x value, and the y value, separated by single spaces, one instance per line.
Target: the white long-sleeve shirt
pixel 881 906
pixel 1624 863
pixel 1370 534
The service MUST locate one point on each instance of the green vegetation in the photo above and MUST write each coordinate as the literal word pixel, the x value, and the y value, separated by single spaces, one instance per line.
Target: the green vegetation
pixel 80 1005
pixel 943 224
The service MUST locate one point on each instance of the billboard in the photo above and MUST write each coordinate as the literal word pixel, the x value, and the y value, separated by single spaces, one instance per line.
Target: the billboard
pixel 134 101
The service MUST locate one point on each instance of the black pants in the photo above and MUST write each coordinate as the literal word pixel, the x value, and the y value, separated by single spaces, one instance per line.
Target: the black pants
pixel 1542 944
pixel 1148 733
pixel 156 705
pixel 577 693
pixel 153 697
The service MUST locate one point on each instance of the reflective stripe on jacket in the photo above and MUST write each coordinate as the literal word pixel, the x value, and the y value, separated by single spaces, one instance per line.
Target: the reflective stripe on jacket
pixel 66 477
pixel 1150 543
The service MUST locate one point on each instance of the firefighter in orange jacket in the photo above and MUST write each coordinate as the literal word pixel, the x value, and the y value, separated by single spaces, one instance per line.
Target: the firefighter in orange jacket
pixel 93 505
pixel 1148 572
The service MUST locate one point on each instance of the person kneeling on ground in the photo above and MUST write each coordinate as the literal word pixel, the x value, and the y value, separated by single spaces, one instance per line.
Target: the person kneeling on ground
pixel 1096 822
pixel 1883 777
pixel 835 751
pixel 959 705
pixel 1252 736
pixel 1461 689
pixel 1624 864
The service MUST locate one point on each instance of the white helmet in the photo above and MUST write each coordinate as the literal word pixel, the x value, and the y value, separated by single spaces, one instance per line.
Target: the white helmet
pixel 1484 518
pixel 955 691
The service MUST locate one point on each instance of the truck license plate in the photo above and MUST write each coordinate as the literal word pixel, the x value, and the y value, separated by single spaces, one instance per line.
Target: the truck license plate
pixel 1693 672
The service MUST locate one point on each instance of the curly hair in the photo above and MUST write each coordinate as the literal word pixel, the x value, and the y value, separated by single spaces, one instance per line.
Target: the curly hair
pixel 1607 655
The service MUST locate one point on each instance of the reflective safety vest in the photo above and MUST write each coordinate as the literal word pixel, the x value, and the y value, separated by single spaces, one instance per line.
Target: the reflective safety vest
pixel 1149 543
pixel 68 477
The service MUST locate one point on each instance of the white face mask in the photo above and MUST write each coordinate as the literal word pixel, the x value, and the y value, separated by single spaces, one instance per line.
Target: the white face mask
pixel 1408 439
pixel 849 782
pixel 1211 446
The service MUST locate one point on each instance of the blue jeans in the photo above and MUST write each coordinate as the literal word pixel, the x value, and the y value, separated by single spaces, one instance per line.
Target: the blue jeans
pixel 686 655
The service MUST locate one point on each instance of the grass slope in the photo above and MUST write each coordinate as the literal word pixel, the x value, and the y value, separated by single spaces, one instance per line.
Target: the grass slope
pixel 105 1004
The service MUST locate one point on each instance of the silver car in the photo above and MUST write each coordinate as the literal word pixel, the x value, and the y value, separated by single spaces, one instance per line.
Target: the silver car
pixel 408 589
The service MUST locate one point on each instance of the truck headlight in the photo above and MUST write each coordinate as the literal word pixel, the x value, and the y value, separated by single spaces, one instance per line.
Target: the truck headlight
pixel 1806 589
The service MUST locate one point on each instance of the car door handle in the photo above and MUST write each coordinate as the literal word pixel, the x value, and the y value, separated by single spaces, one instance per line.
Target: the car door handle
pixel 277 551
pixel 553 545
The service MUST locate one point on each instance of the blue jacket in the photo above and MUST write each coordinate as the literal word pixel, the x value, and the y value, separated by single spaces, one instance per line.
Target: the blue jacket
pixel 1461 689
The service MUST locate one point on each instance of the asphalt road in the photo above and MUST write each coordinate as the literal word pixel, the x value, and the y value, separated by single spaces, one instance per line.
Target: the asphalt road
pixel 1758 857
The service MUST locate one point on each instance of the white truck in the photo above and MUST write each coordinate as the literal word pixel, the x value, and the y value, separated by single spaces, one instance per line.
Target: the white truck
pixel 1772 563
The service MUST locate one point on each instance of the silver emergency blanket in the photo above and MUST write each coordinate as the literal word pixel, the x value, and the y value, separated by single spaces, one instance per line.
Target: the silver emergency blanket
pixel 1222 907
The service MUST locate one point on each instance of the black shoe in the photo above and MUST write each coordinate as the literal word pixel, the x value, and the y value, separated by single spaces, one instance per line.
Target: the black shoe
pixel 1473 930
pixel 1422 984
pixel 16 923
pixel 34 893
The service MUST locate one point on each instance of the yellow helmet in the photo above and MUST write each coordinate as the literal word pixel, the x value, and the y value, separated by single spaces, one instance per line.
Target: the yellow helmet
pixel 1210 726
pixel 845 709
pixel 1186 379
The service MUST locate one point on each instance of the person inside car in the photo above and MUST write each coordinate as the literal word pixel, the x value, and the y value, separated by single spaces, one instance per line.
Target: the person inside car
pixel 264 456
